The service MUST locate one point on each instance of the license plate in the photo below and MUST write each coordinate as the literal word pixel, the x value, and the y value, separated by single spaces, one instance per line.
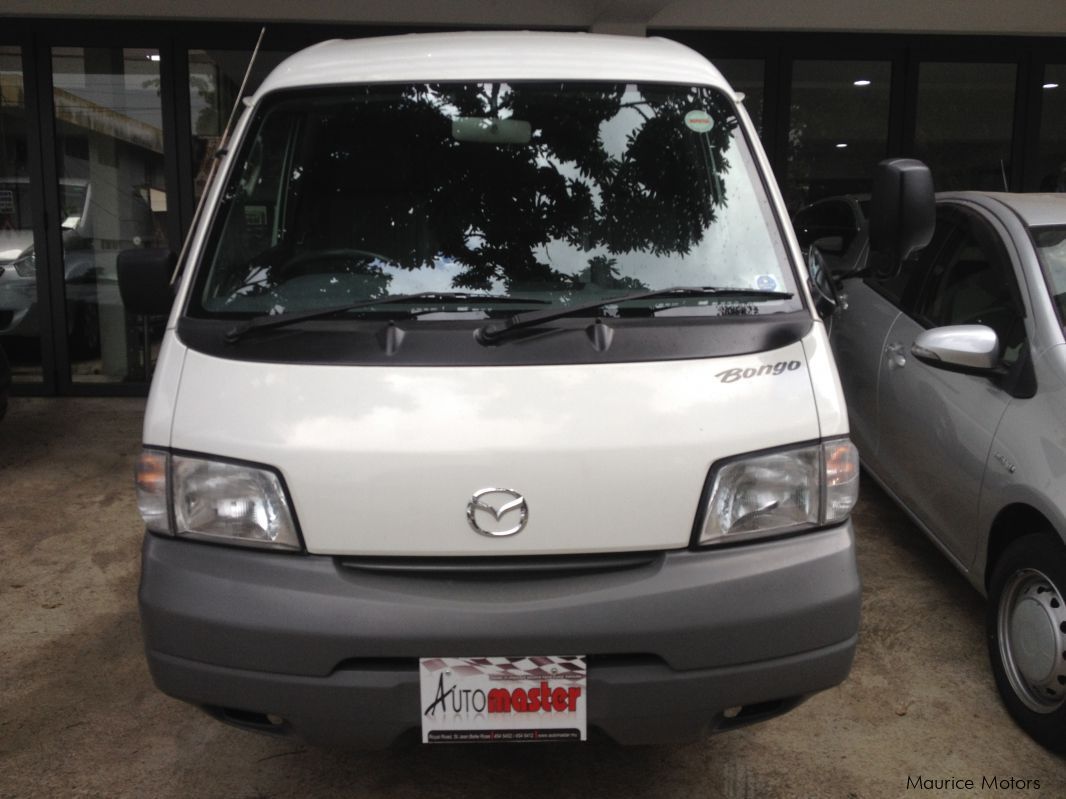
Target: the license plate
pixel 498 699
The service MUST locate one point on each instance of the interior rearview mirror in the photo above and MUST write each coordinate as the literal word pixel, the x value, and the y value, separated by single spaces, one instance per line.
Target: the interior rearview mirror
pixel 485 130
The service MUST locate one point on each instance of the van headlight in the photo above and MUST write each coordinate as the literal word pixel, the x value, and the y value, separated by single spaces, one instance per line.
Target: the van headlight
pixel 782 491
pixel 221 501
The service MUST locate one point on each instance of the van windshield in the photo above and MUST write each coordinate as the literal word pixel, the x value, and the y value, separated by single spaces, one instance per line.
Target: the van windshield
pixel 557 193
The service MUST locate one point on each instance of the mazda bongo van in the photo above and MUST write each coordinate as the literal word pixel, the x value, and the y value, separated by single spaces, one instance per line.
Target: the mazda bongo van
pixel 493 406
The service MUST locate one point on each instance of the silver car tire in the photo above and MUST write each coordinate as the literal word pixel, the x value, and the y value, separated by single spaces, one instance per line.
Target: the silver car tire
pixel 1026 627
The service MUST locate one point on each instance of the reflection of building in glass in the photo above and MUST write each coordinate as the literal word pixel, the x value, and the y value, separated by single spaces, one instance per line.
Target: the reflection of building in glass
pixel 140 127
pixel 838 127
pixel 110 134
pixel 215 78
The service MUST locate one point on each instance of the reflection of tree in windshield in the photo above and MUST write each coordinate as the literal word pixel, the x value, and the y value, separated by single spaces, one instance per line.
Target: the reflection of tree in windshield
pixel 603 271
pixel 605 169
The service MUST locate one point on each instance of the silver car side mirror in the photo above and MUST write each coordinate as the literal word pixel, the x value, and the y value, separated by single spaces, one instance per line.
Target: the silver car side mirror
pixel 970 349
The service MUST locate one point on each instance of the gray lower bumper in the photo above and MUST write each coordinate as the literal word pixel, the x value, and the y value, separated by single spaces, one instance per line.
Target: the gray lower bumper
pixel 334 651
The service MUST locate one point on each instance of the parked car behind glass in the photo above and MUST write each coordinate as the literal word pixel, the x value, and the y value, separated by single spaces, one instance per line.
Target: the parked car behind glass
pixel 18 261
pixel 954 372
pixel 5 383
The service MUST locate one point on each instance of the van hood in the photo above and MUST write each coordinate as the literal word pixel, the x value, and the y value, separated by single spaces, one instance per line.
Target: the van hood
pixel 386 461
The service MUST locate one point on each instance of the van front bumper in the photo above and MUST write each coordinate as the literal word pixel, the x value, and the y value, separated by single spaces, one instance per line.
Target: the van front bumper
pixel 306 644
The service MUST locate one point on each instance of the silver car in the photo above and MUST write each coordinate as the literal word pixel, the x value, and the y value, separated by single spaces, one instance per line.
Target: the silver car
pixel 18 262
pixel 954 370
pixel 5 383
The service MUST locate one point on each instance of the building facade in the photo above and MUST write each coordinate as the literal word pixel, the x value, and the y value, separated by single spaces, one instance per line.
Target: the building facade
pixel 109 125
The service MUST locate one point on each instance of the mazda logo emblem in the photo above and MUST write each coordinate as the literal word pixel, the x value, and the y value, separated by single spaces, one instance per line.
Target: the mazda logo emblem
pixel 496 503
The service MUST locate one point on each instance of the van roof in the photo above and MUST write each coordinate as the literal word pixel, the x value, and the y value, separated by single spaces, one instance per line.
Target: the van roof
pixel 484 56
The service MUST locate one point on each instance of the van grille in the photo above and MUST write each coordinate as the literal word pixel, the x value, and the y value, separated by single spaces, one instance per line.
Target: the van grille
pixel 494 568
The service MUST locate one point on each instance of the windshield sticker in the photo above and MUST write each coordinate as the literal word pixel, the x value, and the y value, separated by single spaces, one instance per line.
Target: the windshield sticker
pixel 698 121
pixel 767 369
pixel 766 283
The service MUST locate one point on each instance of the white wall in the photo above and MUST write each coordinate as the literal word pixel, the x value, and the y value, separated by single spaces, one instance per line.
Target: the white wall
pixel 1030 17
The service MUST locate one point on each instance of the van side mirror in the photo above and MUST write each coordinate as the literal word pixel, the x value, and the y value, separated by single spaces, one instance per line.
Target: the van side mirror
pixel 144 280
pixel 902 211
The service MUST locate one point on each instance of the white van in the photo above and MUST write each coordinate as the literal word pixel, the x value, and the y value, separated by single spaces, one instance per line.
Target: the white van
pixel 493 406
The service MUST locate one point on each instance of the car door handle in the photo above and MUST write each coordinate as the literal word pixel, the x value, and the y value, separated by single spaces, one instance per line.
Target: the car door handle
pixel 896 358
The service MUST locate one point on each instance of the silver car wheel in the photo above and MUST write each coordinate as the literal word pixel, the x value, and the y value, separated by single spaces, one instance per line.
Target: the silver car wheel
pixel 1031 622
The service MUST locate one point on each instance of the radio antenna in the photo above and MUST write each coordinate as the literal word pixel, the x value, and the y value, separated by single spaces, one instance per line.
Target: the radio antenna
pixel 216 157
pixel 240 92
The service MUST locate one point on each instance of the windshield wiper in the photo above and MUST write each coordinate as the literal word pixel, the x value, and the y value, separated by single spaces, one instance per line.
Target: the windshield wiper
pixel 490 334
pixel 270 321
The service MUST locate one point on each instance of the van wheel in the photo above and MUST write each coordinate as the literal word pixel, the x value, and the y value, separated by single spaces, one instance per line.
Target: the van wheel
pixel 1027 636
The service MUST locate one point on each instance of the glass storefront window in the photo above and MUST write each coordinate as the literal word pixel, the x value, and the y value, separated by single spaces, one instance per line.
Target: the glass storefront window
pixel 214 79
pixel 1051 155
pixel 19 331
pixel 965 118
pixel 838 128
pixel 109 140
pixel 108 155
pixel 746 75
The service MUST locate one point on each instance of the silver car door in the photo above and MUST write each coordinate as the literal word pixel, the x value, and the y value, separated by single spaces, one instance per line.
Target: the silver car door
pixel 859 335
pixel 936 427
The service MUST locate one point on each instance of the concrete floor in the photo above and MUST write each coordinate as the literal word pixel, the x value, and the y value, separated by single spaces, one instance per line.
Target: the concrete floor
pixel 79 715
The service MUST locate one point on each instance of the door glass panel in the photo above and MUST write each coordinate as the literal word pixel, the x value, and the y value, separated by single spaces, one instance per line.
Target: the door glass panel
pixel 965 118
pixel 214 79
pixel 902 289
pixel 746 75
pixel 838 128
pixel 19 331
pixel 109 140
pixel 970 283
pixel 1051 155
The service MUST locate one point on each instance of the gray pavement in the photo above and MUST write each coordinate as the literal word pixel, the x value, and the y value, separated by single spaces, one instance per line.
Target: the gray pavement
pixel 79 715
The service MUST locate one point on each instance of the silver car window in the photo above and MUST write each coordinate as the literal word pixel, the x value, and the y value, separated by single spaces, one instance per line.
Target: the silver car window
pixel 1050 243
pixel 901 289
pixel 971 282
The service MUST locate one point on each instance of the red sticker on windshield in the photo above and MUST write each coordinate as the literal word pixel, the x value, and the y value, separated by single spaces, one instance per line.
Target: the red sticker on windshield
pixel 698 121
